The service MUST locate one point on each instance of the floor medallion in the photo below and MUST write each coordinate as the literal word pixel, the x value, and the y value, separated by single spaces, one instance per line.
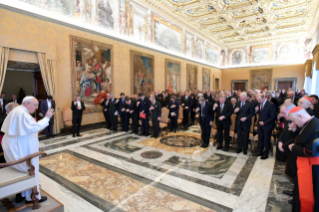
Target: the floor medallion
pixel 151 154
pixel 181 141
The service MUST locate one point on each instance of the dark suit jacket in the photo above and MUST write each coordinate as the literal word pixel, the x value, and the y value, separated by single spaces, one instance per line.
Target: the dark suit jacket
pixel 267 115
pixel 157 111
pixel 130 107
pixel 77 112
pixel 3 109
pixel 294 100
pixel 208 113
pixel 275 102
pixel 11 100
pixel 209 98
pixel 173 110
pixel 113 106
pixel 246 111
pixel 316 109
pixel 145 106
pixel 187 103
pixel 283 95
pixel 105 105
pixel 227 112
pixel 310 112
pixel 2 118
pixel 44 107
pixel 121 105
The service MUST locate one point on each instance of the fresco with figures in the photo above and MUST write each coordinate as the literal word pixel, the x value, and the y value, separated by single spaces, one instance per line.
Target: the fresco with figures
pixel 214 29
pixel 206 78
pixel 173 76
pixel 92 71
pixel 261 79
pixel 191 77
pixel 142 68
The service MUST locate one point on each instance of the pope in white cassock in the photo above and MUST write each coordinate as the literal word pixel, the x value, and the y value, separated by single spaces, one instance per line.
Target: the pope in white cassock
pixel 21 137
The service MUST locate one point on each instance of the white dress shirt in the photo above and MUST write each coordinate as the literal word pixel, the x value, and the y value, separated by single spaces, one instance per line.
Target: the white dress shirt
pixel 49 104
pixel 79 104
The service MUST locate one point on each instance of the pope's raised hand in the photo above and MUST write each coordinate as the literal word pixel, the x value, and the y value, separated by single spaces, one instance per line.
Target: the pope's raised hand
pixel 49 113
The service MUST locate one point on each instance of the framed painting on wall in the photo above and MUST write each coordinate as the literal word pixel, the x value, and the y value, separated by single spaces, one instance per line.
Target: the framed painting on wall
pixel 261 54
pixel 172 76
pixel 91 65
pixel 142 72
pixel 191 77
pixel 261 79
pixel 206 78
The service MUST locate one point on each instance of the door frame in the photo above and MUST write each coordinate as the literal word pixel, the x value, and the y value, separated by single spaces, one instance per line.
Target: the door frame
pixel 293 80
pixel 239 81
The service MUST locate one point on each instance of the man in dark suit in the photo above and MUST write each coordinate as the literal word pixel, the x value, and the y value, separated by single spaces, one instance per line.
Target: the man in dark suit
pixel 208 97
pixel 273 100
pixel 291 95
pixel 3 103
pixel 173 107
pixel 14 99
pixel 77 107
pixel 129 110
pixel 206 114
pixel 121 110
pixel 186 103
pixel 283 94
pixel 45 106
pixel 144 106
pixel 223 111
pixel 266 123
pixel 156 113
pixel 113 111
pixel 244 112
pixel 315 105
pixel 135 115
pixel 105 105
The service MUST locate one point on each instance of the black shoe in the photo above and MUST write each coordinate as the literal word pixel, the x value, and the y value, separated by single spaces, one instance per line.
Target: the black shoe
pixel 153 136
pixel 289 193
pixel 264 157
pixel 73 136
pixel 146 134
pixel 258 154
pixel 19 198
pixel 226 149
pixel 43 199
pixel 238 151
pixel 174 131
pixel 52 136
pixel 219 147
pixel 290 201
pixel 245 152
pixel 156 137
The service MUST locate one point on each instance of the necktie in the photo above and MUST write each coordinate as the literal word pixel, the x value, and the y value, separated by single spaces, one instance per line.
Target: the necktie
pixel 221 107
pixel 261 107
pixel 241 105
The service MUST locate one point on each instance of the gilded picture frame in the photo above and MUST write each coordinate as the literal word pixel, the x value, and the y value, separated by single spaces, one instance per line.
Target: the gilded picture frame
pixel 172 75
pixel 191 77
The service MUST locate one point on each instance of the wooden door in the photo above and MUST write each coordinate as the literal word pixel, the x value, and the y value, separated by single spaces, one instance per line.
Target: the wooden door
pixel 284 85
pixel 42 94
pixel 239 86
pixel 216 84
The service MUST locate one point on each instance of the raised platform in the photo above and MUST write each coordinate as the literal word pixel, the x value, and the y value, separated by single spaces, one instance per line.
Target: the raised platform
pixel 51 205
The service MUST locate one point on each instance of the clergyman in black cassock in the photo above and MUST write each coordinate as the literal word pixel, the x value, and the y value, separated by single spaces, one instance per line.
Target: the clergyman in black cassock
pixel 206 119
pixel 307 161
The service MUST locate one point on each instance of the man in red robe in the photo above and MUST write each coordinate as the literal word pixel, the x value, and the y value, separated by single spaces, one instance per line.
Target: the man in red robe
pixel 306 182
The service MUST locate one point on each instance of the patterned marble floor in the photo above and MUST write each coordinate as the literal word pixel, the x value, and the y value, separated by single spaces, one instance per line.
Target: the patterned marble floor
pixel 107 171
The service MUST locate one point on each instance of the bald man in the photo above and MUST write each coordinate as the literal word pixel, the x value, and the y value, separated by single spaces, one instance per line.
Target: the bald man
pixel 21 138
pixel 306 192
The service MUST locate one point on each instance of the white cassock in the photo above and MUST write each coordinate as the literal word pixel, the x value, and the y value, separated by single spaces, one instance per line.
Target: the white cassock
pixel 21 139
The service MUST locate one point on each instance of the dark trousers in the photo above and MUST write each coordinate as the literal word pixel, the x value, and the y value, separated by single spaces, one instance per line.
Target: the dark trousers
pixel 113 121
pixel 186 118
pixel 135 122
pixel 145 125
pixel 2 160
pixel 242 137
pixel 220 130
pixel 107 119
pixel 49 129
pixel 206 130
pixel 76 121
pixel 126 122
pixel 264 135
pixel 156 128
pixel 123 120
pixel 173 122
pixel 193 115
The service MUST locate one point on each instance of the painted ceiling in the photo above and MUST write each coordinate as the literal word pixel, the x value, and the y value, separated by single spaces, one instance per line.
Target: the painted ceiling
pixel 237 22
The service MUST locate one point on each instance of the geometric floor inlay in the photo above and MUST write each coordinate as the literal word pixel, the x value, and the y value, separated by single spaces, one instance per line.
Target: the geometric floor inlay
pixel 122 191
pixel 151 154
pixel 215 166
pixel 181 141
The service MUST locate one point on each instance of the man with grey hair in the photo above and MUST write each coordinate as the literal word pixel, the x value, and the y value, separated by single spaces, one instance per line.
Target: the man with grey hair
pixel 244 112
pixel 206 118
pixel 21 138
